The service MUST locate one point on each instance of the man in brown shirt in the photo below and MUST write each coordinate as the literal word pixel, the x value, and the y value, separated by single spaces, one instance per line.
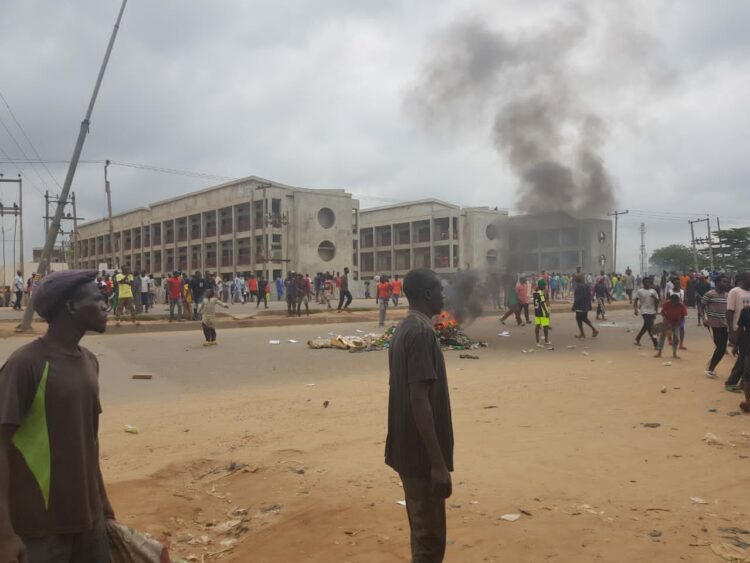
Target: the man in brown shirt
pixel 419 445
pixel 53 504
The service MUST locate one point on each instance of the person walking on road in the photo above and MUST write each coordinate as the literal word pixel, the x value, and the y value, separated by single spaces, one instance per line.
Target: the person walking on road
pixel 345 296
pixel 582 306
pixel 174 294
pixel 541 313
pixel 53 502
pixel 737 299
pixel 714 305
pixel 125 282
pixel 647 304
pixel 384 296
pixel 419 443
pixel 18 287
pixel 207 310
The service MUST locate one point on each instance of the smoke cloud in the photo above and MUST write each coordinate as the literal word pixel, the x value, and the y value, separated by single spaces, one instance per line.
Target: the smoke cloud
pixel 529 84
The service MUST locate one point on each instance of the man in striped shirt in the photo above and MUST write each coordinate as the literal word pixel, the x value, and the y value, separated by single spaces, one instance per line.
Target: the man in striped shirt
pixel 419 445
pixel 715 311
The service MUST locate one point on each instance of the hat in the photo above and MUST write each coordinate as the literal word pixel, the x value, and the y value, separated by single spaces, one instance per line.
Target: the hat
pixel 56 288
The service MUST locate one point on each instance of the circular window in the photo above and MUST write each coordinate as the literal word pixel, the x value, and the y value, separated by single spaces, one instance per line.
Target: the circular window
pixel 491 231
pixel 492 257
pixel 326 217
pixel 326 250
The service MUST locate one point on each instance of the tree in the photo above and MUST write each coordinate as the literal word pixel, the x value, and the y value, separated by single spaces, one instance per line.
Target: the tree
pixel 675 257
pixel 733 251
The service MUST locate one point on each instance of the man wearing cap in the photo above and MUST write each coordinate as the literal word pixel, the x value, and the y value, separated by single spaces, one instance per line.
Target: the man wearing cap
pixel 56 508
pixel 125 282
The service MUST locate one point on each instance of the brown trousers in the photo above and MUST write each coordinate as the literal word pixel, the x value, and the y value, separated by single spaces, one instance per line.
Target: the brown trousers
pixel 426 520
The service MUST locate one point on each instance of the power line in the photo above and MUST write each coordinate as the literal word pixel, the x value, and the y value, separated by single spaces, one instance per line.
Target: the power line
pixel 10 134
pixel 33 185
pixel 28 140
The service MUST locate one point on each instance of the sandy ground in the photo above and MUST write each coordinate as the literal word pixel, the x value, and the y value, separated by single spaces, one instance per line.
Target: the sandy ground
pixel 555 436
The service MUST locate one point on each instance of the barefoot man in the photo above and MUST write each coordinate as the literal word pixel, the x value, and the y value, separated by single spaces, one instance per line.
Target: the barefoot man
pixel 56 508
pixel 419 445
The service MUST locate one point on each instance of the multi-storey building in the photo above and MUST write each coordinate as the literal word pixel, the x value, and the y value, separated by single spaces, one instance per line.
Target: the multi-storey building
pixel 247 225
pixel 430 234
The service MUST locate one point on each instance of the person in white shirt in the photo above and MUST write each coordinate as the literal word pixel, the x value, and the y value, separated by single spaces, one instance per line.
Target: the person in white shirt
pixel 146 287
pixel 737 299
pixel 18 287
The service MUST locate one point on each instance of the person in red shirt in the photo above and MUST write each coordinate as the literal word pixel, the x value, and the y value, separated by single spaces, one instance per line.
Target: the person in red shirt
pixel 673 312
pixel 174 292
pixel 396 289
pixel 384 296
pixel 252 287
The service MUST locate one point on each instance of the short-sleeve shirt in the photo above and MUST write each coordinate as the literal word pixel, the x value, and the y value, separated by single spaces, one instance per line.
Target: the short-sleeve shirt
pixel 716 308
pixel 737 299
pixel 540 304
pixel 674 312
pixel 124 290
pixel 396 285
pixel 743 325
pixel 384 290
pixel 647 299
pixel 414 356
pixel 53 397
pixel 344 283
pixel 174 288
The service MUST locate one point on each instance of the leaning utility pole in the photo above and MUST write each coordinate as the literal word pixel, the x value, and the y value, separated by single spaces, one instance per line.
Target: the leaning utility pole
pixel 710 242
pixel 109 214
pixel 52 232
pixel 616 215
pixel 49 200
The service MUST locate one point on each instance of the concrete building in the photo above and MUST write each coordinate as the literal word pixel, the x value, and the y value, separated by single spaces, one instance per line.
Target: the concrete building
pixel 431 234
pixel 557 242
pixel 247 225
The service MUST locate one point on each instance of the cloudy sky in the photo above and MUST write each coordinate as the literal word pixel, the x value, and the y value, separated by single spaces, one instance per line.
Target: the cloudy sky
pixel 333 94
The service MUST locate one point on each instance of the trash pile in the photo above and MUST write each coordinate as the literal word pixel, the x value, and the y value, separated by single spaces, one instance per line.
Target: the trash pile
pixel 449 334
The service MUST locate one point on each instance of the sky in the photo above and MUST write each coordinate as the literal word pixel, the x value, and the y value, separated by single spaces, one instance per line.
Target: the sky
pixel 335 94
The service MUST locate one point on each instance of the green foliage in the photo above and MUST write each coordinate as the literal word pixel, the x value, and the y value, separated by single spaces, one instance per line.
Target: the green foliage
pixel 675 257
pixel 733 251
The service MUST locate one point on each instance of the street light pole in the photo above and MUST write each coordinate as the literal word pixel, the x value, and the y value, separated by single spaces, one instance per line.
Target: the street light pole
pixel 616 215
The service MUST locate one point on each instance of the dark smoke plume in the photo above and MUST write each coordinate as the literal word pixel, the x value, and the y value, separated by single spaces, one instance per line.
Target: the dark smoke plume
pixel 463 299
pixel 551 143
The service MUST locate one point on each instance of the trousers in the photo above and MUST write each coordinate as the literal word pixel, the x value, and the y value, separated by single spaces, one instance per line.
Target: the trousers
pixel 743 357
pixel 721 337
pixel 209 332
pixel 383 309
pixel 345 295
pixel 85 547
pixel 426 514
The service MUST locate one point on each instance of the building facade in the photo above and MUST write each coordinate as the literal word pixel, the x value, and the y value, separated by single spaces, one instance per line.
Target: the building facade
pixel 430 234
pixel 248 225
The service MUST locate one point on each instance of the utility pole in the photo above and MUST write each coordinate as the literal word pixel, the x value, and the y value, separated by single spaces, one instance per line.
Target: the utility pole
pixel 85 124
pixel 75 231
pixel 616 215
pixel 643 249
pixel 109 214
pixel 73 217
pixel 710 241
pixel 721 244
pixel 17 211
pixel 266 246
pixel 692 238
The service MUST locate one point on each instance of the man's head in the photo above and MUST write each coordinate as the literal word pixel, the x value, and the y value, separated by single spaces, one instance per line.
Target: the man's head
pixel 198 274
pixel 19 273
pixel 674 298
pixel 346 270
pixel 745 280
pixel 395 277
pixel 424 291
pixel 541 284
pixel 722 283
pixel 126 269
pixel 647 282
pixel 72 296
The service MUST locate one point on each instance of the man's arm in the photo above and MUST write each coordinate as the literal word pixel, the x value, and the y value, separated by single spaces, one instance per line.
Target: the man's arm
pixel 422 410
pixel 11 546
pixel 730 326
pixel 109 513
pixel 635 305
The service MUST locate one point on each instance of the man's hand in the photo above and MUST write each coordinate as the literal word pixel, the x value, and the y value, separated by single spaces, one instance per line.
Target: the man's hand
pixel 440 478
pixel 635 312
pixel 12 549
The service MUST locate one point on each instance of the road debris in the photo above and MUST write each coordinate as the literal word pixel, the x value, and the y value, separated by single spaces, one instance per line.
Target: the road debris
pixel 468 357
pixel 142 376
pixel 510 517
pixel 131 429
pixel 698 500
pixel 651 424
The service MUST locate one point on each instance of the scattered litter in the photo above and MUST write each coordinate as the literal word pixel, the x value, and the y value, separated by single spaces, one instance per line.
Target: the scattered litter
pixel 468 357
pixel 131 429
pixel 326 403
pixel 275 508
pixel 228 542
pixel 142 376
pixel 360 331
pixel 650 424
pixel 664 389
pixel 712 439
pixel 729 552
pixel 274 342
pixel 510 517
pixel 698 500
pixel 584 353
pixel 524 512
pixel 291 341
pixel 734 413
pixel 610 324
pixel 331 334
pixel 227 527
pixel 733 530
pixel 571 347
pixel 667 364
pixel 401 502
pixel 503 333
pixel 654 535
pixel 310 385
pixel 713 409
pixel 490 407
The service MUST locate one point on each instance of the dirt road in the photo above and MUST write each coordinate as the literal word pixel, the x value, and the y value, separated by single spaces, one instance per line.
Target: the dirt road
pixel 555 436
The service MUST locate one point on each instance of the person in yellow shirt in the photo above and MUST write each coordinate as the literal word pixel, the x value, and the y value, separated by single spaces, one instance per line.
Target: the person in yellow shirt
pixel 125 294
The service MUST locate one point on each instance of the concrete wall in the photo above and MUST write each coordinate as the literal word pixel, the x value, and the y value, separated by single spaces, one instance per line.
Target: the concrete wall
pixel 478 226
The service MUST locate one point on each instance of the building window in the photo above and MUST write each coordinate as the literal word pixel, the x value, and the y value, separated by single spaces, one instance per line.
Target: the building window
pixel 326 217
pixel 491 257
pixel 491 231
pixel 326 250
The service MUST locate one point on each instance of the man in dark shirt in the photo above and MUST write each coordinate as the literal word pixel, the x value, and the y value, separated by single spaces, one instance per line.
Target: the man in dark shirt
pixel 198 287
pixel 742 341
pixel 419 445
pixel 49 423
pixel 344 293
